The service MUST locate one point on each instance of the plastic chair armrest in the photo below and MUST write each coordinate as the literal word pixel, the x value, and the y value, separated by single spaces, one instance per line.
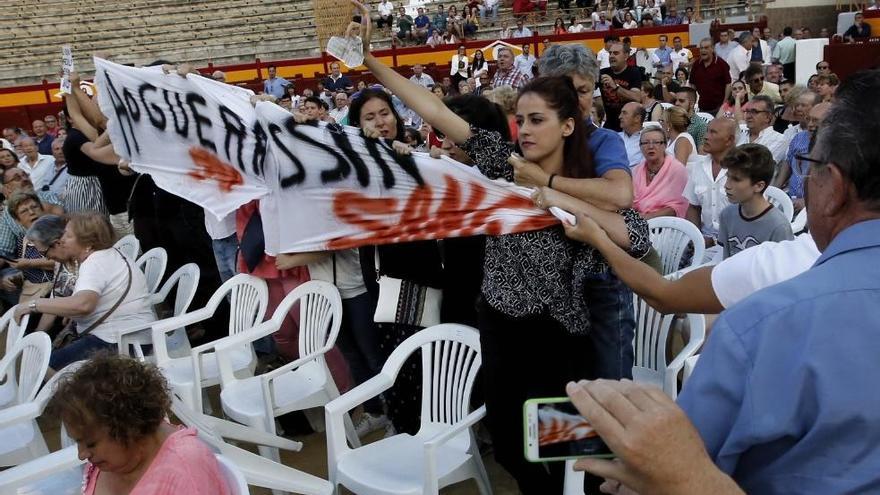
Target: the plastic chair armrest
pixel 21 412
pixel 235 431
pixel 40 468
pixel 358 395
pixel 465 423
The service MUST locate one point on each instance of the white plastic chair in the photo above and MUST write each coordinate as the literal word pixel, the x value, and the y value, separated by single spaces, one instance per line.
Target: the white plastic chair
pixel 649 346
pixel 257 470
pixel 186 281
pixel 670 236
pixel 57 473
pixel 14 332
pixel 799 224
pixel 302 384
pixel 29 359
pixel 574 480
pixel 778 198
pixel 129 245
pixel 689 365
pixel 444 451
pixel 22 438
pixel 234 477
pixel 153 264
pixel 708 117
pixel 248 298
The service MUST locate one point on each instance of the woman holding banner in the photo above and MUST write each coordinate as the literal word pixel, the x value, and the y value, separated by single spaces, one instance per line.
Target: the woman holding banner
pixel 533 318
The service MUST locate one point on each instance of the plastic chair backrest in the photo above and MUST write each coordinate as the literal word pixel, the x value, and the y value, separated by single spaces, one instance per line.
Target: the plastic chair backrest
pixel 48 390
pixel 193 419
pixel 235 480
pixel 799 224
pixel 778 198
pixel 248 299
pixel 449 368
pixel 153 264
pixel 320 309
pixel 670 236
pixel 689 365
pixel 31 356
pixel 649 344
pixel 129 245
pixel 14 331
pixel 186 279
pixel 708 117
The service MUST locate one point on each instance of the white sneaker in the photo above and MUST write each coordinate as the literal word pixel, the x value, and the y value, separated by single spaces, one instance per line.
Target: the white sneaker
pixel 389 430
pixel 370 423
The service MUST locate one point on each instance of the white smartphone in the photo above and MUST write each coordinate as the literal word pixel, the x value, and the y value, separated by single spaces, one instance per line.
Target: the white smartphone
pixel 555 431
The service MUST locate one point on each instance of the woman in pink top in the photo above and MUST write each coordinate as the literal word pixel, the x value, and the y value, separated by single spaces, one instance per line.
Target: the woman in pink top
pixel 115 408
pixel 659 180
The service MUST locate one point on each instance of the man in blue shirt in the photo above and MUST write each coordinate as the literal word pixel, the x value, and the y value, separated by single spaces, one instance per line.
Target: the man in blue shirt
pixel 663 54
pixel 784 397
pixel 274 86
pixel 337 81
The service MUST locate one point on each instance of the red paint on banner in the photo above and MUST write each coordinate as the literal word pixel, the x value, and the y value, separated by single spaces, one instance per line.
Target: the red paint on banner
pixel 209 166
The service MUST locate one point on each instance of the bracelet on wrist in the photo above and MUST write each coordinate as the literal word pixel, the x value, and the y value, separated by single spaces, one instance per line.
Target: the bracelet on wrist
pixel 550 181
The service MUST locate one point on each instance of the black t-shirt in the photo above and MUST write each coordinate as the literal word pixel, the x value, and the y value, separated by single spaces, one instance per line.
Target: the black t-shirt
pixel 672 87
pixel 629 78
pixel 78 163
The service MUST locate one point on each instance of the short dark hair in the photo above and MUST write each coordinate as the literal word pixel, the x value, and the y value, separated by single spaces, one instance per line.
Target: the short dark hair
pixel 752 160
pixel 751 71
pixel 480 112
pixel 271 66
pixel 768 102
pixel 848 136
pixel 611 37
pixel 627 39
pixel 786 31
pixel 691 92
pixel 360 98
pixel 314 99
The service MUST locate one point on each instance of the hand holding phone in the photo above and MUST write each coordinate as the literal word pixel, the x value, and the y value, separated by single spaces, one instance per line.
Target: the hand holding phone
pixel 555 431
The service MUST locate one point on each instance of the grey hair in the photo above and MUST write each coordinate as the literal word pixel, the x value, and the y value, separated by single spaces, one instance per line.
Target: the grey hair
pixel 768 102
pixel 656 128
pixel 505 48
pixel 707 40
pixel 848 135
pixel 565 60
pixel 47 229
pixel 797 91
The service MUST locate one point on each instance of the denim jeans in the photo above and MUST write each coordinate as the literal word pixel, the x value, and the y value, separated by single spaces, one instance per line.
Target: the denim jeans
pixel 10 298
pixel 82 348
pixel 226 256
pixel 491 10
pixel 359 342
pixel 613 325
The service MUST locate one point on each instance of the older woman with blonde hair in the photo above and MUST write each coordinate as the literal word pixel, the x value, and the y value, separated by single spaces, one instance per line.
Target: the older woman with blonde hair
pixel 110 292
pixel 658 182
pixel 506 97
pixel 115 409
pixel 681 144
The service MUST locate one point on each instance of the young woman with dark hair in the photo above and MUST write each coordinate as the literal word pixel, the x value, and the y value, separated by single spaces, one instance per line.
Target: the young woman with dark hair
pixel 533 319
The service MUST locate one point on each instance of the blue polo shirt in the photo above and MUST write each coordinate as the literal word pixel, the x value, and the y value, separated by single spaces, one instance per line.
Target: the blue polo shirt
pixel 608 150
pixel 785 394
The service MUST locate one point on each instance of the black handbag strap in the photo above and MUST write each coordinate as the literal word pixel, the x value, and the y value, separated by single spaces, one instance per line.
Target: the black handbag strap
pixel 116 305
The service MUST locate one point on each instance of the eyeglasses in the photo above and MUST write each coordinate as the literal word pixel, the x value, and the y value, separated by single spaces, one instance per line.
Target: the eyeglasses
pixel 758 79
pixel 652 143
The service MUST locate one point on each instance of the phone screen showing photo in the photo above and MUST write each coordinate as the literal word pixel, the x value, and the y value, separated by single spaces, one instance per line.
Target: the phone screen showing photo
pixel 563 432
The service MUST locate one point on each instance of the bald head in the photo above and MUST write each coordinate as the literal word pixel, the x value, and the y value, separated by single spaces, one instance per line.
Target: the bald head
pixel 720 137
pixel 631 117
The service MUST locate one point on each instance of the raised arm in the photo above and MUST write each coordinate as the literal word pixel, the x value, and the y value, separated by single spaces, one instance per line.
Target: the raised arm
pixel 692 293
pixel 76 116
pixel 610 222
pixel 418 98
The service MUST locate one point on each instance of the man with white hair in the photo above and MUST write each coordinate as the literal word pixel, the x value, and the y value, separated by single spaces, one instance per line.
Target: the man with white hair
pixel 38 166
pixel 507 74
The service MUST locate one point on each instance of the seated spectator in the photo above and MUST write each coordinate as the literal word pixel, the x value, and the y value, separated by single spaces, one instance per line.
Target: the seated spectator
pixel 58 178
pixel 110 292
pixel 659 180
pixel 436 38
pixel 42 138
pixel 796 171
pixel 802 103
pixel 629 22
pixel 654 12
pixel 597 113
pixel 464 88
pixel 386 19
pixel 455 26
pixel 750 219
pixel 705 189
pixel 672 17
pixel 632 116
pixel 686 99
pixel 45 235
pixel 681 77
pixel 859 31
pixel 339 114
pixel 826 85
pixel 759 116
pixel 404 26
pixel 754 77
pixel 559 26
pixel 653 107
pixel 438 20
pixel 37 165
pixel 574 26
pixel 471 22
pixel 823 67
pixel 423 26
pixel 774 73
pixel 647 21
pixel 8 159
pixel 681 143
pixel 16 180
pixel 52 126
pixel 668 86
pixel 336 80
pixel 116 408
pixel 733 105
pixel 784 115
pixel 521 31
pixel 602 24
pixel 36 270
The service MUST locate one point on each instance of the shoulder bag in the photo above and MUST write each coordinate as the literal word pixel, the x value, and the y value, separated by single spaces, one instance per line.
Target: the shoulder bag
pixel 405 302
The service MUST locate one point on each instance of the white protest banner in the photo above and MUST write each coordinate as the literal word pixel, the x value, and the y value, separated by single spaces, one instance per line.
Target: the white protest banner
pixel 193 135
pixel 327 186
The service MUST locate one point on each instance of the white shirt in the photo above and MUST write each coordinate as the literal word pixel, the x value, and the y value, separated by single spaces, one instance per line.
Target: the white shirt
pixel 738 60
pixel 425 80
pixel 790 133
pixel 771 139
pixel 339 113
pixel 723 51
pixel 603 58
pixel 766 264
pixel 104 273
pixel 707 192
pixel 385 9
pixel 576 28
pixel 524 33
pixel 630 25
pixel 524 64
pixel 633 149
pixel 681 56
pixel 219 229
pixel 693 158
pixel 454 65
pixel 60 181
pixel 41 172
pixel 6 144
pixel 349 279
